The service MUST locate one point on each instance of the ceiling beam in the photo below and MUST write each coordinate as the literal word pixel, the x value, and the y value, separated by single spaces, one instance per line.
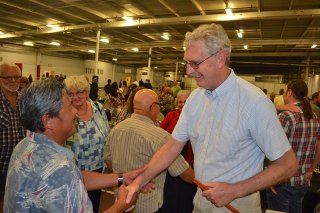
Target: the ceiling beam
pixel 234 42
pixel 266 15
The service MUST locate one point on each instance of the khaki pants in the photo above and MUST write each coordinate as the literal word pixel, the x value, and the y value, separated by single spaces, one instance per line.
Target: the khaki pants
pixel 248 204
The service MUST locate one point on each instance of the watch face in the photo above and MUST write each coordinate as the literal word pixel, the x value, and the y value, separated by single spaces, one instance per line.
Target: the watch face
pixel 120 180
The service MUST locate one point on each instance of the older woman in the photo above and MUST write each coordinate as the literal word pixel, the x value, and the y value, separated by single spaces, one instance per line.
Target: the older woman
pixel 92 128
pixel 178 195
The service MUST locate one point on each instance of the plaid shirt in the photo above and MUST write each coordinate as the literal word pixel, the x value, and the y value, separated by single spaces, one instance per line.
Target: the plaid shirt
pixel 11 131
pixel 303 135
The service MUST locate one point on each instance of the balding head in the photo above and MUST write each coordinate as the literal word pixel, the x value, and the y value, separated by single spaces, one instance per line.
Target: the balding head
pixel 146 103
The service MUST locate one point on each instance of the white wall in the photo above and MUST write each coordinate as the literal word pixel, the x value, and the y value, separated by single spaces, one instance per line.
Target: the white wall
pixel 28 60
pixel 65 66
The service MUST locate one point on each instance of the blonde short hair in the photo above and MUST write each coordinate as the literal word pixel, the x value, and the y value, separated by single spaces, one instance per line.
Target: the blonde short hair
pixel 80 82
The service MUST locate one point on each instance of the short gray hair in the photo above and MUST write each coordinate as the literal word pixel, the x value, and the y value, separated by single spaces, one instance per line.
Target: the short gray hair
pixel 183 92
pixel 42 97
pixel 12 66
pixel 80 82
pixel 214 37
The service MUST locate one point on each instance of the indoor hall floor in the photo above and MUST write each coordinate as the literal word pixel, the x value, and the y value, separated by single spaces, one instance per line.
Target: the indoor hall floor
pixel 106 200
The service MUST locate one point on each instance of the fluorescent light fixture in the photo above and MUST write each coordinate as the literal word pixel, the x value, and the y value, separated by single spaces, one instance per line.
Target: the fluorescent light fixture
pixel 239 33
pixel 135 49
pixel 229 12
pixel 114 59
pixel 53 26
pixel 127 18
pixel 28 43
pixel 1 33
pixel 314 46
pixel 104 40
pixel 245 47
pixel 165 36
pixel 54 43
pixel 91 51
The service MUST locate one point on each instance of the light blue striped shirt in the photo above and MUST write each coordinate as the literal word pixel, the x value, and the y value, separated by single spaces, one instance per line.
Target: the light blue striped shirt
pixel 231 129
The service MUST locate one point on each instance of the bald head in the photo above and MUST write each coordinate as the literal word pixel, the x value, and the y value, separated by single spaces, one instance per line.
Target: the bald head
pixel 144 99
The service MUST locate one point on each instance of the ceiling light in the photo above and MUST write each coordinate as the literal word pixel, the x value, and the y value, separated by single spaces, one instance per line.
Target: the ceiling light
pixel 165 36
pixel 127 18
pixel 28 43
pixel 114 59
pixel 53 26
pixel 104 40
pixel 182 63
pixel 1 33
pixel 91 51
pixel 245 47
pixel 229 12
pixel 239 33
pixel 314 45
pixel 135 49
pixel 156 67
pixel 54 43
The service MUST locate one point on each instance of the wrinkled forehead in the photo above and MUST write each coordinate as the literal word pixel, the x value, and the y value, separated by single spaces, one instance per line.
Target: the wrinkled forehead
pixel 7 69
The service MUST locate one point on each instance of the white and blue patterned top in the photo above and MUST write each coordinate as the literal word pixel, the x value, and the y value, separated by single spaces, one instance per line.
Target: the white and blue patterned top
pixel 88 142
pixel 43 177
pixel 231 129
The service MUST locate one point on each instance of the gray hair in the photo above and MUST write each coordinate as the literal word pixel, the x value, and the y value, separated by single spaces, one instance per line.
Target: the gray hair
pixel 214 37
pixel 183 92
pixel 42 97
pixel 80 82
pixel 11 66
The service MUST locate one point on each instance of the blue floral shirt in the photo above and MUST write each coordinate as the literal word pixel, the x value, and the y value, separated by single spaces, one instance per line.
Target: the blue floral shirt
pixel 43 177
pixel 88 142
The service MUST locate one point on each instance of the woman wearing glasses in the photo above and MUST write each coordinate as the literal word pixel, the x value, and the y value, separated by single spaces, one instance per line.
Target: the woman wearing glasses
pixel 92 128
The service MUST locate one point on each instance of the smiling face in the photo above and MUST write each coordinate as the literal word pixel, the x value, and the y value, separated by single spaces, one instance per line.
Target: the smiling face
pixel 64 124
pixel 207 74
pixel 9 78
pixel 78 97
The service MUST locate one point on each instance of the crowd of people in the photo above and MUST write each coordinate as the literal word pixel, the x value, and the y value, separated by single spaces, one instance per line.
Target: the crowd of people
pixel 57 140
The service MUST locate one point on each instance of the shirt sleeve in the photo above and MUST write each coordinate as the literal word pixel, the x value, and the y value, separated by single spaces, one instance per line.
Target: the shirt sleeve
pixel 266 130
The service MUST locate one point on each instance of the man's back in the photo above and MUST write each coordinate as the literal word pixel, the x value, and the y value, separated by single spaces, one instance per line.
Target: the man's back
pixel 131 145
pixel 302 134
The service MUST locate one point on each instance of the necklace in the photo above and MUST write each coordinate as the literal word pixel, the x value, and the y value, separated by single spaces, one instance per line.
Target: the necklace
pixel 85 111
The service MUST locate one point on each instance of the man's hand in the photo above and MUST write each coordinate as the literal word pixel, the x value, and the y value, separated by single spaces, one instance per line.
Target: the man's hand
pixel 220 194
pixel 120 204
pixel 121 199
pixel 288 107
pixel 133 188
pixel 309 176
pixel 128 177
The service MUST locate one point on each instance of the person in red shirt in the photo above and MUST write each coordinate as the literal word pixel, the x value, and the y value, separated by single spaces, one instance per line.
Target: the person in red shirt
pixel 178 195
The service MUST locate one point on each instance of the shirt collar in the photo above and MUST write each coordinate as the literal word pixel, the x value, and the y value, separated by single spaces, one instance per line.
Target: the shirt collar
pixel 225 87
pixel 44 140
pixel 142 118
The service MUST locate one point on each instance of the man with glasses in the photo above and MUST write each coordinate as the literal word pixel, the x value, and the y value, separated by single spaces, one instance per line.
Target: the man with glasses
pixel 11 131
pixel 232 126
pixel 132 143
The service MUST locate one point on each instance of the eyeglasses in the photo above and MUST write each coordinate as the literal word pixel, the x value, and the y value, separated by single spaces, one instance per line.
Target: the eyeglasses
pixel 195 65
pixel 154 103
pixel 7 78
pixel 78 94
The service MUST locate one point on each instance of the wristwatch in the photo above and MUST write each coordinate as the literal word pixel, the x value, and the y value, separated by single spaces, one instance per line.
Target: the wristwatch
pixel 120 179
